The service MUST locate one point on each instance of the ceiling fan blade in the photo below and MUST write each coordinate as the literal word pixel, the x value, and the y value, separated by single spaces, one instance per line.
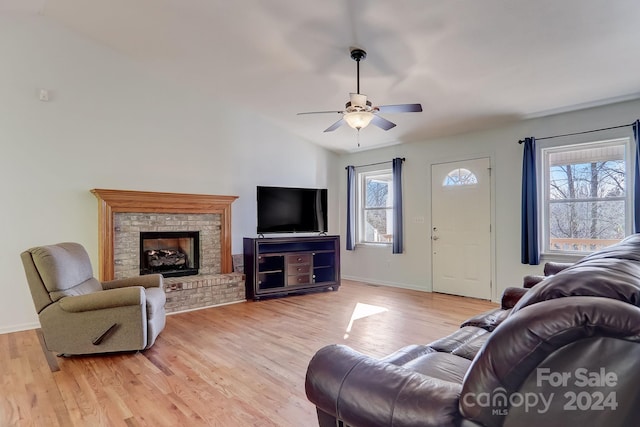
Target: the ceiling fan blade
pixel 400 108
pixel 319 112
pixel 335 126
pixel 382 123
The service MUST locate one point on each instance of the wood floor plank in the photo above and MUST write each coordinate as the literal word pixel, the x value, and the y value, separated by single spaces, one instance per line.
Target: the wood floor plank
pixel 235 365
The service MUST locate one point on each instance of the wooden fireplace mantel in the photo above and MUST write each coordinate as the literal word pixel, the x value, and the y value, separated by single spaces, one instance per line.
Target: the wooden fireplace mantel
pixel 113 201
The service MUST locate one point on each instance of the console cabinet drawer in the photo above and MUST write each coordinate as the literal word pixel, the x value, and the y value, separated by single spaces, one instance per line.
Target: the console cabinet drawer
pixel 302 279
pixel 299 269
pixel 298 258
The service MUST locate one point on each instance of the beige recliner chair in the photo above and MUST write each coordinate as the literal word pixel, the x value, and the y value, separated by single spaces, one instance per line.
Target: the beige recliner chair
pixel 80 315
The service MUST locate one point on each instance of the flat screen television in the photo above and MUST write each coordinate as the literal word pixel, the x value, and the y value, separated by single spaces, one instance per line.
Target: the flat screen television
pixel 291 210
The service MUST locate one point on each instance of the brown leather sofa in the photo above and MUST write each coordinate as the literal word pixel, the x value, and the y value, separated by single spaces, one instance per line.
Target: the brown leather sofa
pixel 564 353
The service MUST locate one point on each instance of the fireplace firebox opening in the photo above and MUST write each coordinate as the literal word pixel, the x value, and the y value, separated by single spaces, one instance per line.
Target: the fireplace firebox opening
pixel 170 253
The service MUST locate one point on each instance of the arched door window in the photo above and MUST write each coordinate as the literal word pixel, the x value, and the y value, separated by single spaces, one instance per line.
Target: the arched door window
pixel 460 177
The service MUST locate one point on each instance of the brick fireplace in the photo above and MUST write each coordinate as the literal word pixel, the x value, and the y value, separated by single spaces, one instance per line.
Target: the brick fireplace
pixel 125 216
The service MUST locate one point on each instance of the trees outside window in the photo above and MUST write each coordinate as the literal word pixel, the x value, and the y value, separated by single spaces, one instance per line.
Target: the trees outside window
pixel 375 207
pixel 585 194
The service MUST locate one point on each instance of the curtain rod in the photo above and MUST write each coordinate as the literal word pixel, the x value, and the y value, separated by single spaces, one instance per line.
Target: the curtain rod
pixel 579 133
pixel 378 163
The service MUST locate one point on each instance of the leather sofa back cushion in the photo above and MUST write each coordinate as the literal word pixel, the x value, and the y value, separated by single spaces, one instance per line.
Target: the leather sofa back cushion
pixel 65 270
pixel 607 273
pixel 610 278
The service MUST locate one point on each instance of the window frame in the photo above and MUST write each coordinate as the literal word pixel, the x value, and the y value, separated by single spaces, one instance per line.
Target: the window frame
pixel 543 152
pixel 362 209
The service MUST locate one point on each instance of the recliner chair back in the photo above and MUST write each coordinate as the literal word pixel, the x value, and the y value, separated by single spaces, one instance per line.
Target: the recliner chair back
pixel 62 270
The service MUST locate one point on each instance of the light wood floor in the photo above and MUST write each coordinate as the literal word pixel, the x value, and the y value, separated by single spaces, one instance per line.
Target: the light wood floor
pixel 237 365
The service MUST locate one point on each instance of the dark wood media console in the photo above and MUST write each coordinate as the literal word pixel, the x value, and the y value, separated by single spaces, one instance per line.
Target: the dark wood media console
pixel 284 265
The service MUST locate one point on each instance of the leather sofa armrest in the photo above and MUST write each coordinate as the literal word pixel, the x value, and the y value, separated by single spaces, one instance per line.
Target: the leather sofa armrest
pixel 551 268
pixel 146 281
pixel 360 390
pixel 511 296
pixel 531 280
pixel 104 299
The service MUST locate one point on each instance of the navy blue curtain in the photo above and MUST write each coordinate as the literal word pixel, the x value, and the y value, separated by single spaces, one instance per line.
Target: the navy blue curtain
pixel 529 250
pixel 636 181
pixel 351 208
pixel 398 245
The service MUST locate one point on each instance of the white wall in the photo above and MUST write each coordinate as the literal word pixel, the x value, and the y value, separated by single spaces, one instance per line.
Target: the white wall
pixel 111 125
pixel 413 268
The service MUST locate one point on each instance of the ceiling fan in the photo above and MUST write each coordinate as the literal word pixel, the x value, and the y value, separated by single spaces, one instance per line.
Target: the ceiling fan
pixel 359 112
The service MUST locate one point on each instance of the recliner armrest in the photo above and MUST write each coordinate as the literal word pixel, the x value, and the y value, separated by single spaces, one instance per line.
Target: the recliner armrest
pixel 531 280
pixel 360 390
pixel 146 281
pixel 104 299
pixel 511 296
pixel 551 268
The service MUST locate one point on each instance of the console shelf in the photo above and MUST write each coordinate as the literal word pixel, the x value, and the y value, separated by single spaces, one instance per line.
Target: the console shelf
pixel 280 266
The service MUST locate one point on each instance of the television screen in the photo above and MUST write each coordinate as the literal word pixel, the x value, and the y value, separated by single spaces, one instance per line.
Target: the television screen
pixel 292 210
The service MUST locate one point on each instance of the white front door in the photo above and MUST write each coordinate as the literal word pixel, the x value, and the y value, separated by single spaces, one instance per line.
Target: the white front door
pixel 461 227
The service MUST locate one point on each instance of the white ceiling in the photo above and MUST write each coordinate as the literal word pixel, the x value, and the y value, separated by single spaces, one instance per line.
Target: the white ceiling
pixel 472 64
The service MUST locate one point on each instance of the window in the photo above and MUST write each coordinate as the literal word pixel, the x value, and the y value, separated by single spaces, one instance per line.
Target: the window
pixel 375 206
pixel 460 177
pixel 585 196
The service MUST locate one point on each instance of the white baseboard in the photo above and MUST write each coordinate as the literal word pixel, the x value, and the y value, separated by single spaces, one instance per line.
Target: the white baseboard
pixel 384 283
pixel 208 306
pixel 19 328
pixel 36 325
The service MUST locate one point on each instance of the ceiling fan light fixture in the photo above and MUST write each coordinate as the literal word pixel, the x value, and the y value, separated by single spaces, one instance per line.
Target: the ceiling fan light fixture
pixel 358 119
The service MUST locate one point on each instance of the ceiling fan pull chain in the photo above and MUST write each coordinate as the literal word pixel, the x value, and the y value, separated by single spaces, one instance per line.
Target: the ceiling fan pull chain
pixel 358 136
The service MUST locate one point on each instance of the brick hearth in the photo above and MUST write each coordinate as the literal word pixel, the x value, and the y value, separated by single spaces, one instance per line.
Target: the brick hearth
pixel 191 292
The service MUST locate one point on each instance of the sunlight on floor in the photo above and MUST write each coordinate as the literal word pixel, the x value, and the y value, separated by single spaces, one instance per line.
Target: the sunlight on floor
pixel 361 311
